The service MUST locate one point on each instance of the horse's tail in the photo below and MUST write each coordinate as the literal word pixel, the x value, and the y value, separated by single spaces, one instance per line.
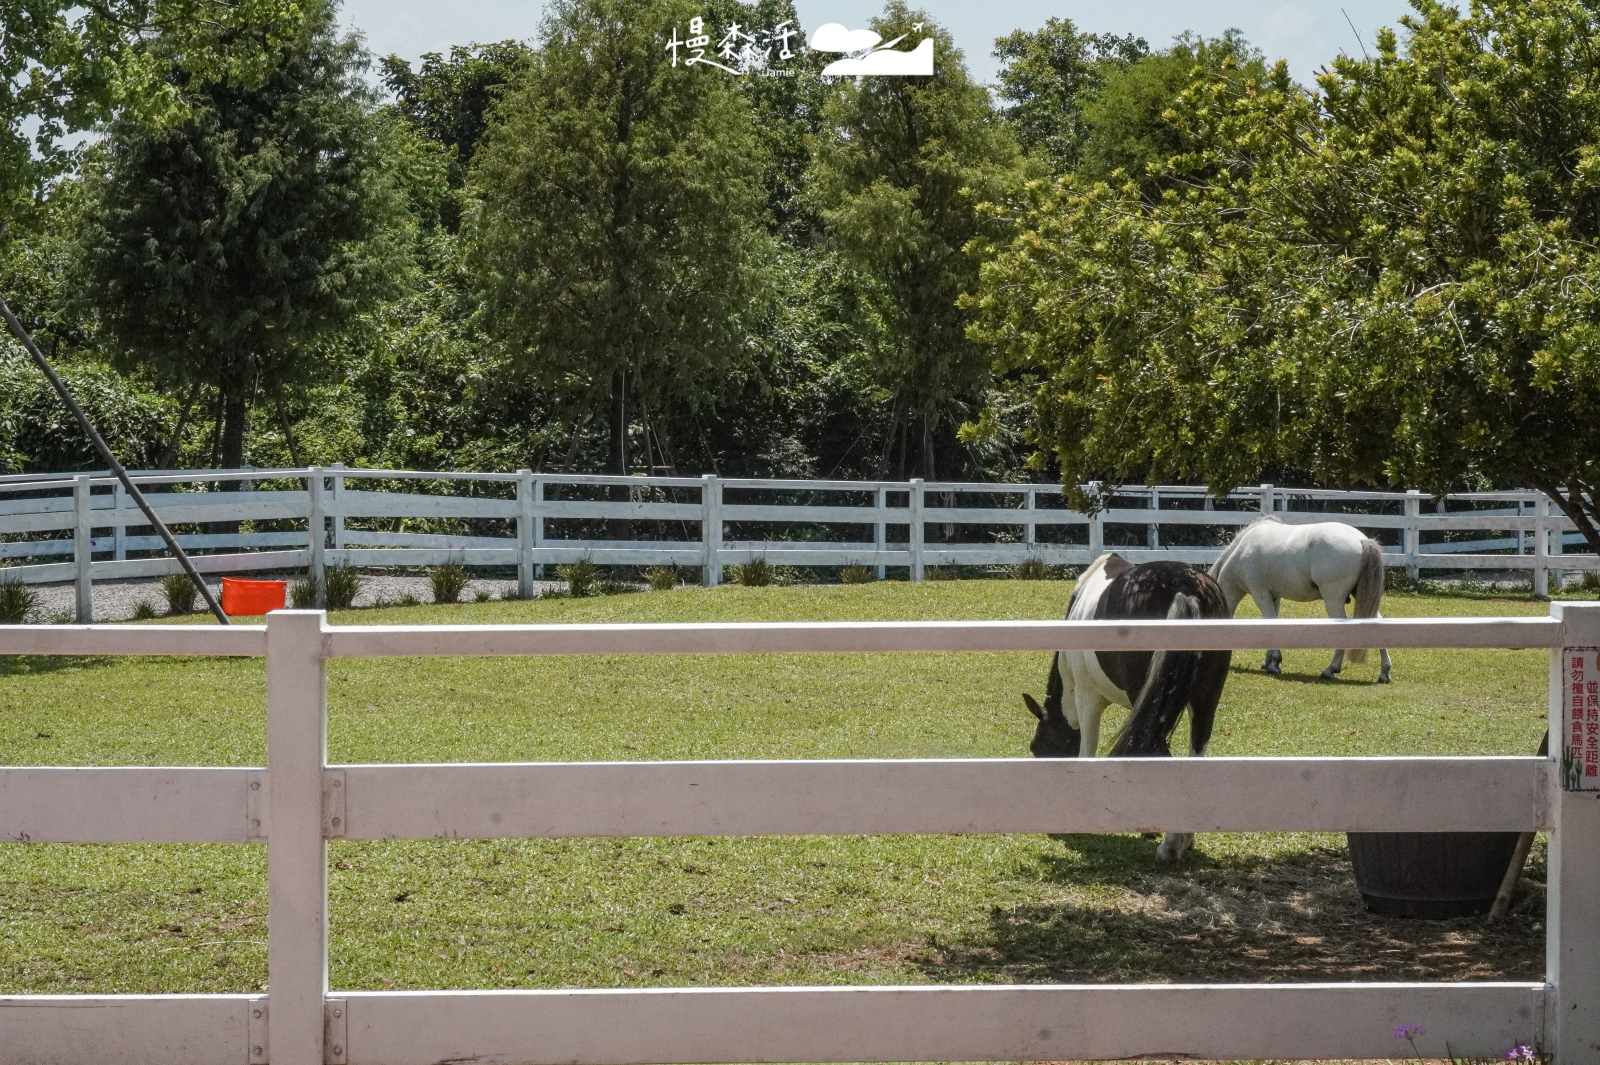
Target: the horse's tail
pixel 1166 691
pixel 1369 588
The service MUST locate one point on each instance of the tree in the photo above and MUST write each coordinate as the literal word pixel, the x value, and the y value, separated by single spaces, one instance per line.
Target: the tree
pixel 448 101
pixel 231 244
pixel 1046 77
pixel 620 245
pixel 899 175
pixel 1391 282
pixel 1127 121
pixel 66 66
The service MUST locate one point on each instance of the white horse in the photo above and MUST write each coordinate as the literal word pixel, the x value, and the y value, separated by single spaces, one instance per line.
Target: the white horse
pixel 1330 561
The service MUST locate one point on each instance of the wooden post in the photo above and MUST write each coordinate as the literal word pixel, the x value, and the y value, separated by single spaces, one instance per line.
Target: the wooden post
pixel 297 861
pixel 1541 547
pixel 337 510
pixel 119 531
pixel 1413 534
pixel 1572 899
pixel 914 531
pixel 317 524
pixel 1153 533
pixel 880 528
pixel 83 548
pixel 1268 501
pixel 525 534
pixel 711 527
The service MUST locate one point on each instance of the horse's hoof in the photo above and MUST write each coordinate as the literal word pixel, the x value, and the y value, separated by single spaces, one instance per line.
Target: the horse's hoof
pixel 1271 667
pixel 1328 674
pixel 1383 678
pixel 1164 854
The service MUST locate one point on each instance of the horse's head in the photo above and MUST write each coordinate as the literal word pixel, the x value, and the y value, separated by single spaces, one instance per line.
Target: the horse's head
pixel 1054 738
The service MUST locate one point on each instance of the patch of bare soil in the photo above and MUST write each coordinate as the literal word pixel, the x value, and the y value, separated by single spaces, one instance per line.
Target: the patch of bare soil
pixel 1296 918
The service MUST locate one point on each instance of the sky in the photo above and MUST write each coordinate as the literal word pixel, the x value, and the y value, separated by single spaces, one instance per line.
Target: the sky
pixel 1308 33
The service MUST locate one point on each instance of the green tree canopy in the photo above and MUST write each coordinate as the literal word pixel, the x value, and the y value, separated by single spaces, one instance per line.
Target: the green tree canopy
pixel 229 244
pixel 620 245
pixel 1391 282
pixel 66 66
pixel 1046 77
pixel 899 173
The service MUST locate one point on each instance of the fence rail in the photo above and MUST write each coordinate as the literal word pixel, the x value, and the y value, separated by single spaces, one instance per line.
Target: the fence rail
pixel 528 521
pixel 297 802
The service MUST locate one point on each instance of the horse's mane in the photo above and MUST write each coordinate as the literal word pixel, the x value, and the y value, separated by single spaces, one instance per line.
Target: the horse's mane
pixel 1233 545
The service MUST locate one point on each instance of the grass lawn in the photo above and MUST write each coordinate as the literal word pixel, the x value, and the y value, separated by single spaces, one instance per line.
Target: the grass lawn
pixel 613 913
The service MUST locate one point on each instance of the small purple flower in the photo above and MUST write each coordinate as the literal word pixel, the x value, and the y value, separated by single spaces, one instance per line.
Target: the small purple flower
pixel 1520 1052
pixel 1409 1031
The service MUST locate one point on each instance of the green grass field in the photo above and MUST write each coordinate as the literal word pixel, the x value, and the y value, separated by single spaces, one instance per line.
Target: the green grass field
pixel 606 913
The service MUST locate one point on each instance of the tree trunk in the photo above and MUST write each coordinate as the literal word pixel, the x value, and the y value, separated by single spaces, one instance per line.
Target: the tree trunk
pixel 234 411
pixel 928 471
pixel 619 424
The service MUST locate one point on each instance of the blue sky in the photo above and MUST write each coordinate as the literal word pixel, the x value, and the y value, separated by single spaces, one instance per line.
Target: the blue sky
pixel 1307 33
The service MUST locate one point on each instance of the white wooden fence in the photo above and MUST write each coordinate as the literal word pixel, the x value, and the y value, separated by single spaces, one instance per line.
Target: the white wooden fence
pixel 1523 528
pixel 298 802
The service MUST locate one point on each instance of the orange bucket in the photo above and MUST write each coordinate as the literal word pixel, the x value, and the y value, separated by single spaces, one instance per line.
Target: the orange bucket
pixel 242 597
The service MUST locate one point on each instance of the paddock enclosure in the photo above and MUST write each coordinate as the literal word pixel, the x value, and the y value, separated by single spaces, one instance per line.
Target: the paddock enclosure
pixel 298 802
pixel 528 520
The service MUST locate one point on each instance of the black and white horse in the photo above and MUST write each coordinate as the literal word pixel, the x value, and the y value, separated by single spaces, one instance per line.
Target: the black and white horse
pixel 1155 686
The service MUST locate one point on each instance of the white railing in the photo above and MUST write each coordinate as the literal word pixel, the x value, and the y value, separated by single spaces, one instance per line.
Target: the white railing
pixel 1146 524
pixel 298 802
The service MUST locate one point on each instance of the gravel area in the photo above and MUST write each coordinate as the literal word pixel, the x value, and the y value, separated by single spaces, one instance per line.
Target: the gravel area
pixel 115 600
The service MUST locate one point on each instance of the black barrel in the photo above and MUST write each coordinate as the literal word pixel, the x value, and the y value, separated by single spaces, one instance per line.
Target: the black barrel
pixel 1430 874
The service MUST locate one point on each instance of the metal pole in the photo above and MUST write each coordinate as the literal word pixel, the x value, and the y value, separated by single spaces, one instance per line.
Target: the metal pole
pixel 110 460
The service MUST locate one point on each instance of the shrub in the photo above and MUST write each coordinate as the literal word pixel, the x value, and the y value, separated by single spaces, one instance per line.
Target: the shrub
pixel 857 574
pixel 144 610
pixel 341 584
pixel 303 593
pixel 662 578
pixel 17 601
pixel 581 577
pixel 180 593
pixel 1397 582
pixel 1591 580
pixel 613 586
pixel 1034 569
pixel 448 582
pixel 408 599
pixel 937 573
pixel 757 573
pixel 483 595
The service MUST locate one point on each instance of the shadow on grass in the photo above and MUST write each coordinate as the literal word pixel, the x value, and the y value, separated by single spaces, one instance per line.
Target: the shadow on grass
pixel 1120 918
pixel 22 665
pixel 1309 678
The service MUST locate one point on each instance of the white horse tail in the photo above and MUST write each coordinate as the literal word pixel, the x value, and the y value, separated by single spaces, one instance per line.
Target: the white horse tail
pixel 1166 692
pixel 1369 588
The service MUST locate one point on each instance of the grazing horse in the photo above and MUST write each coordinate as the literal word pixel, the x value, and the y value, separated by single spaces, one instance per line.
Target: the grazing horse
pixel 1155 686
pixel 1330 561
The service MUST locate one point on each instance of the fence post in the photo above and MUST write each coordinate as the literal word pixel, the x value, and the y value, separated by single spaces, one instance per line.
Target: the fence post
pixel 538 522
pixel 1558 537
pixel 317 526
pixel 1413 534
pixel 1541 546
pixel 711 527
pixel 338 507
pixel 83 548
pixel 297 858
pixel 1153 533
pixel 524 534
pixel 1030 535
pixel 880 528
pixel 1097 524
pixel 119 531
pixel 914 529
pixel 1268 503
pixel 1572 918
